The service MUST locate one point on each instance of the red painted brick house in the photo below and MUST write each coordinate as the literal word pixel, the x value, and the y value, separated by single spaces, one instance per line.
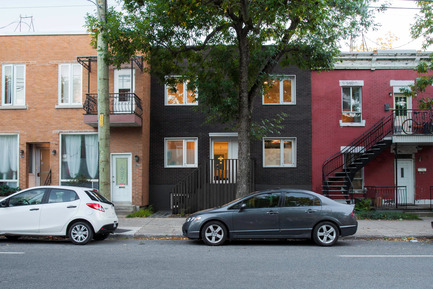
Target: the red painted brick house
pixel 369 140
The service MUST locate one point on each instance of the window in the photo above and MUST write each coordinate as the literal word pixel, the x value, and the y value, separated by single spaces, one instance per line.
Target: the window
pixel 70 87
pixel 351 99
pixel 14 84
pixel 9 160
pixel 279 152
pixel 300 200
pixel 62 196
pixel 32 197
pixel 180 95
pixel 79 159
pixel 180 152
pixel 281 90
pixel 268 200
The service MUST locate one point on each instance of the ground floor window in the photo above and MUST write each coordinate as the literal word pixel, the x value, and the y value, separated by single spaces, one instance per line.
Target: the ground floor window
pixel 180 152
pixel 279 152
pixel 9 160
pixel 79 162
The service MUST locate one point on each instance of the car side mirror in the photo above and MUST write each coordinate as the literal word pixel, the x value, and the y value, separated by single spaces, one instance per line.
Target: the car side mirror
pixel 3 204
pixel 243 206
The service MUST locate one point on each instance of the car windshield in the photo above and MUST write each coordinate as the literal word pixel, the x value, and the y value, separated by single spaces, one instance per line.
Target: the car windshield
pixel 96 196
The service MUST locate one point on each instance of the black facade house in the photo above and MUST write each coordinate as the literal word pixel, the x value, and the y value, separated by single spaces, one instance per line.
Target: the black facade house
pixel 193 163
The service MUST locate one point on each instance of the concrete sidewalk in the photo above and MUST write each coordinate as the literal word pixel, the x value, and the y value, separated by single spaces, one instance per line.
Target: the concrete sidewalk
pixel 172 227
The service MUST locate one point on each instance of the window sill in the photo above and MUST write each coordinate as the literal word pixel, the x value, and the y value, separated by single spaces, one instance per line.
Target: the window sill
pixel 291 103
pixel 6 107
pixel 180 167
pixel 362 123
pixel 279 167
pixel 68 106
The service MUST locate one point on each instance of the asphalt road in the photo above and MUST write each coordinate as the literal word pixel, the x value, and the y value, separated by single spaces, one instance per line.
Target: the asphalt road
pixel 188 264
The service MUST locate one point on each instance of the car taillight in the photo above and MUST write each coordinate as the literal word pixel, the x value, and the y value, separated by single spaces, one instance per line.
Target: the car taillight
pixel 96 206
pixel 353 213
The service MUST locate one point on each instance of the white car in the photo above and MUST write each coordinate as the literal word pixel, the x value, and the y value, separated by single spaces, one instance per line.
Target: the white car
pixel 82 214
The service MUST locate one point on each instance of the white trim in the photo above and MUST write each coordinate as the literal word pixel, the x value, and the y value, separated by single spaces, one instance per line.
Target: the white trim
pixel 223 134
pixel 283 77
pixel 184 152
pixel 69 102
pixel 402 83
pixel 294 152
pixel 343 149
pixel 362 123
pixel 351 82
pixel 14 86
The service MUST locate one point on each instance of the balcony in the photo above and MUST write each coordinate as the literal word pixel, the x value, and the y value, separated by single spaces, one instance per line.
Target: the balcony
pixel 413 126
pixel 125 110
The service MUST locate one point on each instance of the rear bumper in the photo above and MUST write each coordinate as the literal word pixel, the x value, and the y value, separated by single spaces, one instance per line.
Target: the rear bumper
pixel 109 228
pixel 349 230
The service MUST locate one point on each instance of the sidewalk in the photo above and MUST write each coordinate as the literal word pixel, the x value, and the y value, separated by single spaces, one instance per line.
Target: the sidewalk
pixel 172 227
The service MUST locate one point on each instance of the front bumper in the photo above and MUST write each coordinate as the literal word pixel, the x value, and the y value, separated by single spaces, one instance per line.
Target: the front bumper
pixel 191 230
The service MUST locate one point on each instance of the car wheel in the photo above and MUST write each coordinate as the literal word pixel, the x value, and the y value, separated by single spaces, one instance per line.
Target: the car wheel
pixel 325 234
pixel 101 236
pixel 214 233
pixel 80 233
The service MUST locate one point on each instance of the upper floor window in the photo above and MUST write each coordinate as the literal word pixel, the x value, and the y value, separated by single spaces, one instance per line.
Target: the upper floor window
pixel 180 152
pixel 351 103
pixel 180 95
pixel 70 84
pixel 14 84
pixel 280 90
pixel 279 152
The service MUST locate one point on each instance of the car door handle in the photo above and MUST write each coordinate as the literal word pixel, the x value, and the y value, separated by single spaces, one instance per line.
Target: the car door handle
pixel 310 211
pixel 272 213
pixel 71 207
pixel 34 209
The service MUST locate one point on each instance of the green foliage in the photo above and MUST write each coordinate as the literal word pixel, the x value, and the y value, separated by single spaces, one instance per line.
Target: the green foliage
pixel 425 103
pixel 143 213
pixel 268 126
pixel 5 190
pixel 385 215
pixel 363 205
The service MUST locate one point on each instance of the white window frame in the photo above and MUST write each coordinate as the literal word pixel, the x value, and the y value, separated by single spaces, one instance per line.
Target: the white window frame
pixel 282 140
pixel 70 103
pixel 282 78
pixel 185 140
pixel 13 103
pixel 17 181
pixel 351 84
pixel 185 95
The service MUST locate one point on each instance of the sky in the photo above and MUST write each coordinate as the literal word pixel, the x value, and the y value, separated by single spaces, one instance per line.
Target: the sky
pixel 49 16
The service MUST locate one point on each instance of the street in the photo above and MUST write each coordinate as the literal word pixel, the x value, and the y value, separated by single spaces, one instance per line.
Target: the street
pixel 141 263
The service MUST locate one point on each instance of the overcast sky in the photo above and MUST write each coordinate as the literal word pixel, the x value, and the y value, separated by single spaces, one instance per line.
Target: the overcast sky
pixel 46 16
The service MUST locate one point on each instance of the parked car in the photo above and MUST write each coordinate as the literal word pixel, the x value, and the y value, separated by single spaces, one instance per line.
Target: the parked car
pixel 82 214
pixel 274 214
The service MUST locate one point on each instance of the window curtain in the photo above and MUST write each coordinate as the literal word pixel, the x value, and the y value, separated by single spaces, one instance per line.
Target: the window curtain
pixel 91 142
pixel 4 156
pixel 73 154
pixel 13 161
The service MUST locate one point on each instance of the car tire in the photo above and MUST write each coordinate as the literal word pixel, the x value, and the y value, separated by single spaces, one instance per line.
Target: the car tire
pixel 214 233
pixel 80 233
pixel 100 236
pixel 325 234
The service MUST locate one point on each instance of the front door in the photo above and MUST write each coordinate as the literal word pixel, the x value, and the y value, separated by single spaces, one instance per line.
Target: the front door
pixel 39 165
pixel 405 177
pixel 403 106
pixel 224 155
pixel 121 178
pixel 123 89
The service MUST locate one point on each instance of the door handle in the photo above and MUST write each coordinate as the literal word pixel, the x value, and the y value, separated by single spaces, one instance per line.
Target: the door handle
pixel 310 211
pixel 35 209
pixel 272 213
pixel 71 207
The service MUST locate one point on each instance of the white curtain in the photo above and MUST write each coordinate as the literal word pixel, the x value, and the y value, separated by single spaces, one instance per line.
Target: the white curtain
pixel 91 142
pixel 73 154
pixel 4 156
pixel 13 161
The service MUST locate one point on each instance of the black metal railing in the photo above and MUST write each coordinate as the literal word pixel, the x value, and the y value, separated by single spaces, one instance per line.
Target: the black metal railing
pixel 47 181
pixel 119 103
pixel 413 122
pixel 211 184
pixel 387 196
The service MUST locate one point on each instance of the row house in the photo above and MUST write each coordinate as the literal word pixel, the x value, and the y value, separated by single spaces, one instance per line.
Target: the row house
pixel 48 117
pixel 369 138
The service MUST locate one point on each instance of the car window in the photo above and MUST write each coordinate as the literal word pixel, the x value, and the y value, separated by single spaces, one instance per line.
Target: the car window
pixel 300 200
pixel 268 200
pixel 94 195
pixel 32 197
pixel 60 196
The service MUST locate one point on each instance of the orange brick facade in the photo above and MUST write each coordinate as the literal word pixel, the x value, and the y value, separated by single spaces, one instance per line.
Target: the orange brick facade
pixel 40 122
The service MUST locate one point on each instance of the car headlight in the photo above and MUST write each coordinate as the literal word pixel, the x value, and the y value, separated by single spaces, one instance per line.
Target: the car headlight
pixel 192 219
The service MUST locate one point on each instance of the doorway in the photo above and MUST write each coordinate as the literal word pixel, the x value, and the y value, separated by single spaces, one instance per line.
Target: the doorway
pixel 405 177
pixel 224 157
pixel 121 178
pixel 39 169
pixel 123 88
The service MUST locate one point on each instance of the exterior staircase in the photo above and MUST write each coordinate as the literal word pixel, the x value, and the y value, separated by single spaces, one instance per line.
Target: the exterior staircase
pixel 339 170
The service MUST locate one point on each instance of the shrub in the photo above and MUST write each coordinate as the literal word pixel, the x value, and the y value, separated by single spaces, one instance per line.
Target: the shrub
pixel 5 190
pixel 143 213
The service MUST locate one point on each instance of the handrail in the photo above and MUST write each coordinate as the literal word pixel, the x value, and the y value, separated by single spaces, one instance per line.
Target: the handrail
pixel 119 103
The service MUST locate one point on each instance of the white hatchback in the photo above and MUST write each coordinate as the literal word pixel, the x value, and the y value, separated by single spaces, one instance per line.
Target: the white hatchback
pixel 82 214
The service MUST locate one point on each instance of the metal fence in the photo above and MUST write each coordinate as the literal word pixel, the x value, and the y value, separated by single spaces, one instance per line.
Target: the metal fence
pixel 388 196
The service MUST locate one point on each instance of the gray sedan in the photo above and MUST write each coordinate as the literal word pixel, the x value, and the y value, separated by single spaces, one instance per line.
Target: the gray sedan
pixel 274 214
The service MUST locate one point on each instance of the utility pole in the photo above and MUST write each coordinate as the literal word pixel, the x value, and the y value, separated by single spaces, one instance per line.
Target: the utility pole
pixel 103 106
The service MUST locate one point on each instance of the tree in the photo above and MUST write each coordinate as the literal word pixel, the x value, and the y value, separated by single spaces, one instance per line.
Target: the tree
pixel 423 27
pixel 227 49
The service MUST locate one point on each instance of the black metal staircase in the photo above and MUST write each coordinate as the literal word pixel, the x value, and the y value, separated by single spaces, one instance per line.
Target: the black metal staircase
pixel 339 170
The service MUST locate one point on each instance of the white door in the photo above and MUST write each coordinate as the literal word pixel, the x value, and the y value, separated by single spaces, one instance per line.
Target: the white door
pixel 121 178
pixel 123 88
pixel 224 153
pixel 403 111
pixel 405 177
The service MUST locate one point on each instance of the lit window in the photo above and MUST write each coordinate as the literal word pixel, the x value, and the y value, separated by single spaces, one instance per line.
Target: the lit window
pixel 279 152
pixel 180 95
pixel 14 84
pixel 70 87
pixel 180 152
pixel 281 90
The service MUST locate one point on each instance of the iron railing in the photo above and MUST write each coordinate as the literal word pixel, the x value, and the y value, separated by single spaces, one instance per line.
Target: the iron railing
pixel 47 181
pixel 387 196
pixel 119 103
pixel 211 184
pixel 413 122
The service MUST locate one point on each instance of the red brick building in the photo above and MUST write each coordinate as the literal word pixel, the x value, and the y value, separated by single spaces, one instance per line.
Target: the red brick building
pixel 48 112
